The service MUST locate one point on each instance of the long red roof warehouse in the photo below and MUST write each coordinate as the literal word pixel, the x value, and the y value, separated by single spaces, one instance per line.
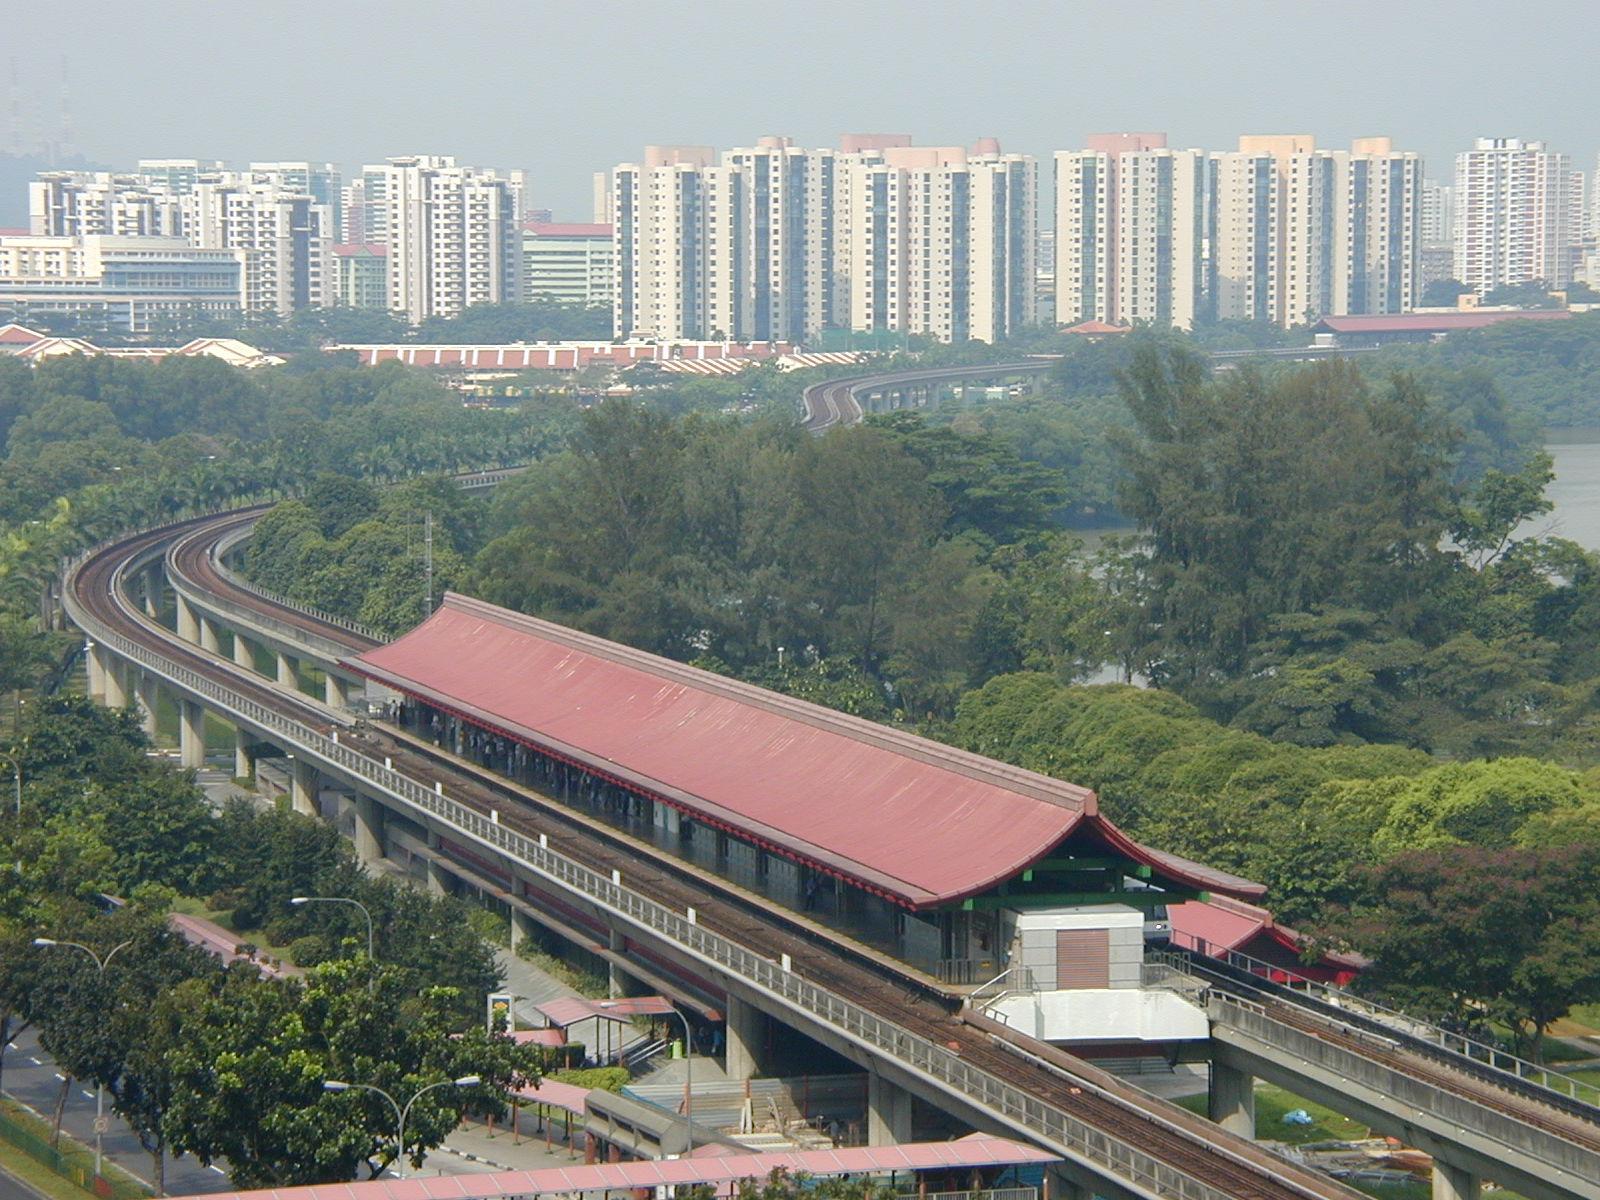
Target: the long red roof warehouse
pixel 920 822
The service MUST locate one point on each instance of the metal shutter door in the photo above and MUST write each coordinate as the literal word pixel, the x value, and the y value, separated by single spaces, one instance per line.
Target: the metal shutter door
pixel 1083 958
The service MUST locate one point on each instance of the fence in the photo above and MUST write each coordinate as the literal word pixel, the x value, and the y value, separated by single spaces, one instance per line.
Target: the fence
pixel 74 1163
pixel 1121 1160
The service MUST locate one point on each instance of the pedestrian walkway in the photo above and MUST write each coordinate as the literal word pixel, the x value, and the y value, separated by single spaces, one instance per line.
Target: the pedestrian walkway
pixel 531 985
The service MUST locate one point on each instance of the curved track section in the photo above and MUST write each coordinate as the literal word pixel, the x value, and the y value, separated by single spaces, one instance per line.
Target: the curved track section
pixel 193 562
pixel 837 402
pixel 1147 1147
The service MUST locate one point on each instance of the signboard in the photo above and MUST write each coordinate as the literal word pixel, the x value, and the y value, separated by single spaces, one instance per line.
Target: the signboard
pixel 500 1015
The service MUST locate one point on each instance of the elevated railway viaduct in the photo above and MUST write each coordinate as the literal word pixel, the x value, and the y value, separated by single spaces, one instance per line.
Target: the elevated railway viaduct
pixel 720 947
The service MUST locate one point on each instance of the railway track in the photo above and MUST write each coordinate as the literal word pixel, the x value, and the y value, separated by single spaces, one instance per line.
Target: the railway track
pixel 1219 1164
pixel 848 968
pixel 833 402
pixel 1523 1101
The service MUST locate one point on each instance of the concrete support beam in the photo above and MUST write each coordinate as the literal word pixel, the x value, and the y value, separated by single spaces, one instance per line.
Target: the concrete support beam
pixel 148 690
pixel 746 1039
pixel 302 787
pixel 1232 1100
pixel 208 636
pixel 286 670
pixel 1454 1183
pixel 242 654
pixel 94 663
pixel 616 977
pixel 888 1112
pixel 188 621
pixel 152 591
pixel 244 760
pixel 369 829
pixel 191 734
pixel 335 692
pixel 116 688
pixel 523 929
pixel 441 883
pixel 1058 1185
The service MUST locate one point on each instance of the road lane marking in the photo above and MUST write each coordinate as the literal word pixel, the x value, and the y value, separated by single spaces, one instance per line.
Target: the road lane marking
pixel 35 1061
pixel 61 1077
pixel 218 1169
pixel 87 1095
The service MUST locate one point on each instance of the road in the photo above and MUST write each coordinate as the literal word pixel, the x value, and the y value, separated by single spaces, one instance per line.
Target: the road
pixel 31 1077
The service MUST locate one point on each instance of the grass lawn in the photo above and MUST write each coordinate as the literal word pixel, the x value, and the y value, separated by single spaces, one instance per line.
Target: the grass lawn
pixel 37 1176
pixel 1272 1102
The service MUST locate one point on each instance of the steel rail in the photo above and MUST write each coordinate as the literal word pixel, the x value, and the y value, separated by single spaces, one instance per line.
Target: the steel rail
pixel 1123 1158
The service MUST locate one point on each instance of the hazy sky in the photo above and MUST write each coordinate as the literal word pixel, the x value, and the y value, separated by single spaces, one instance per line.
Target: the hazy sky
pixel 566 88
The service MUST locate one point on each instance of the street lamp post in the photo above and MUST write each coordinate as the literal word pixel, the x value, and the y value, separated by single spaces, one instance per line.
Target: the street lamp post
pixel 99 1088
pixel 688 1074
pixel 339 1085
pixel 371 957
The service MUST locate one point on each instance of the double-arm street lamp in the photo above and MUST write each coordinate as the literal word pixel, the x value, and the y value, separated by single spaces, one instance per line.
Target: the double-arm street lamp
pixel 99 1088
pixel 400 1113
pixel 371 957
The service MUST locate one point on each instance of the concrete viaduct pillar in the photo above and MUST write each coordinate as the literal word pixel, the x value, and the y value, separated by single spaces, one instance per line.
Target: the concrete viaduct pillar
pixel 369 829
pixel 285 670
pixel 335 692
pixel 1454 1183
pixel 616 977
pixel 440 882
pixel 152 591
pixel 114 685
pixel 208 636
pixel 746 1039
pixel 888 1111
pixel 1232 1100
pixel 523 928
pixel 242 654
pixel 147 689
pixel 302 787
pixel 244 761
pixel 191 734
pixel 188 622
pixel 94 665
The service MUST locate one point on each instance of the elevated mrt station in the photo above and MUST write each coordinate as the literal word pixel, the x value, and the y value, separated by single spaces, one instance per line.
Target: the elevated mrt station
pixel 972 876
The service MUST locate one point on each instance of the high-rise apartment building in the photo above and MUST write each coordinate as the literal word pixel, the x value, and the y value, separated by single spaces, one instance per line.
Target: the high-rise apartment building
pixel 320 181
pixel 361 271
pixel 285 237
pixel 568 264
pixel 1513 218
pixel 1438 221
pixel 283 232
pixel 101 203
pixel 1130 229
pixel 778 242
pixel 1300 233
pixel 178 174
pixel 453 237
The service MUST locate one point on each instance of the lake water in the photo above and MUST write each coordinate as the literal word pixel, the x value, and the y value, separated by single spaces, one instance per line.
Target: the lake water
pixel 1576 490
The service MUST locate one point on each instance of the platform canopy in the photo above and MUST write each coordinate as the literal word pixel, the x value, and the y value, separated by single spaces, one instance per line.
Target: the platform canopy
pixel 968 1153
pixel 920 823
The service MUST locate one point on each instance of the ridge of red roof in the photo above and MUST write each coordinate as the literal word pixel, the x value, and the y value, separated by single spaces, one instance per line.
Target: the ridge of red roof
pixel 917 821
pixel 1436 322
pixel 351 249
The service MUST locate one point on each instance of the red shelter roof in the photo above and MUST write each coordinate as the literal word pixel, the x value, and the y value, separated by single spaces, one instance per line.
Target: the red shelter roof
pixel 973 1151
pixel 918 822
pixel 1445 322
pixel 1221 925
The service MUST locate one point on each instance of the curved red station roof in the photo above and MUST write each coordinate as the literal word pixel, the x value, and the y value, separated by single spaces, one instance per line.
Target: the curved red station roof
pixel 921 823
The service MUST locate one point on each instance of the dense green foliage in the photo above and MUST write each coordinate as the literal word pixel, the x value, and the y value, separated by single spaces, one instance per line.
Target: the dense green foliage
pixel 1548 371
pixel 191 1053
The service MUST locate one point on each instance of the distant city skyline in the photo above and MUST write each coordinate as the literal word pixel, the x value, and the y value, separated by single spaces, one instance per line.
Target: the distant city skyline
pixel 552 87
